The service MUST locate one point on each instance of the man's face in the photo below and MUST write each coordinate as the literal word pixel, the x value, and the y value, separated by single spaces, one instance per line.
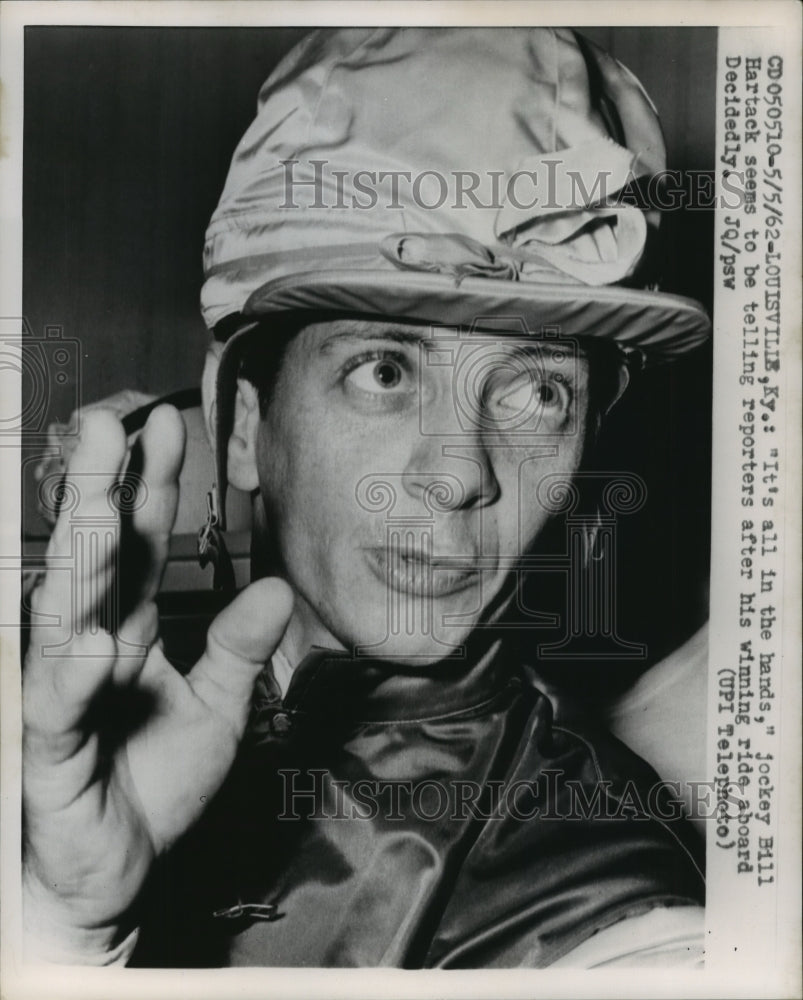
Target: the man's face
pixel 399 476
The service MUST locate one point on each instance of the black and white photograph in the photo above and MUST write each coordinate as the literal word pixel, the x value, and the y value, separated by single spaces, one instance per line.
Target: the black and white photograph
pixel 401 572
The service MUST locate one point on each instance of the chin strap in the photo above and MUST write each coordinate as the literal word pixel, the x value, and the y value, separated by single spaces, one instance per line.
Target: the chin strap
pixel 212 548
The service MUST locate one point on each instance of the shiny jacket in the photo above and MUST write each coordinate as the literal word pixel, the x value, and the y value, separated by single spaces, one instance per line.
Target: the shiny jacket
pixel 416 817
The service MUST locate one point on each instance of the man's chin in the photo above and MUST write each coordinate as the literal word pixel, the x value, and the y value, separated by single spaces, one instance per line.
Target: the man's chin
pixel 415 650
pixel 415 633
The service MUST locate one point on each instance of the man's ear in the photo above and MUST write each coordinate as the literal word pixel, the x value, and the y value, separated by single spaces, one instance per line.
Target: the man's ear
pixel 621 382
pixel 208 389
pixel 241 455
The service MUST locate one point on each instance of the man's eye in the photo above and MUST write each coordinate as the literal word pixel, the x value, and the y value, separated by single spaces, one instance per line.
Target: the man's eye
pixel 516 397
pixel 530 392
pixel 549 393
pixel 377 375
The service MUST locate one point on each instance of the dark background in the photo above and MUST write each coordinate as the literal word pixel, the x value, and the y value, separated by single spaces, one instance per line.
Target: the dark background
pixel 128 137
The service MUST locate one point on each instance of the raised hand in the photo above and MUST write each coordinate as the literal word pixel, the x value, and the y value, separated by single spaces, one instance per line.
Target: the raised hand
pixel 120 752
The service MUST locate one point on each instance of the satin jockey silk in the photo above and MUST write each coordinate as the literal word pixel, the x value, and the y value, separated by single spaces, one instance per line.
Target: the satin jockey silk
pixel 383 816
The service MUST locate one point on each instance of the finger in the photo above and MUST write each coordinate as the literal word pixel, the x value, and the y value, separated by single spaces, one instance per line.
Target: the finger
pixel 240 641
pixel 135 637
pixel 57 693
pixel 81 554
pixel 69 661
pixel 163 441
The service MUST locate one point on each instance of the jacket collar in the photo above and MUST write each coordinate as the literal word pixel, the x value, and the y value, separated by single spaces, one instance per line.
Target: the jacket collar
pixel 337 685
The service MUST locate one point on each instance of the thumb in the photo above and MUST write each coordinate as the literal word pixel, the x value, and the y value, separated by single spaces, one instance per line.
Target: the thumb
pixel 240 641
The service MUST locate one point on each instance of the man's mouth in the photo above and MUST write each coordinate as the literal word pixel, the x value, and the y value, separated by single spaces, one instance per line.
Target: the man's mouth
pixel 411 569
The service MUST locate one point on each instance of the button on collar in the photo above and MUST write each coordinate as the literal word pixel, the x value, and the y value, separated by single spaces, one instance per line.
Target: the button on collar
pixel 281 723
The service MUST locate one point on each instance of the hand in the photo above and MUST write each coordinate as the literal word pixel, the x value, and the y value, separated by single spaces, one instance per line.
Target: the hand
pixel 120 752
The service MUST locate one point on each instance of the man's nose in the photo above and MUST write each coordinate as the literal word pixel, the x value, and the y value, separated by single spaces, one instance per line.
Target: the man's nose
pixel 451 468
